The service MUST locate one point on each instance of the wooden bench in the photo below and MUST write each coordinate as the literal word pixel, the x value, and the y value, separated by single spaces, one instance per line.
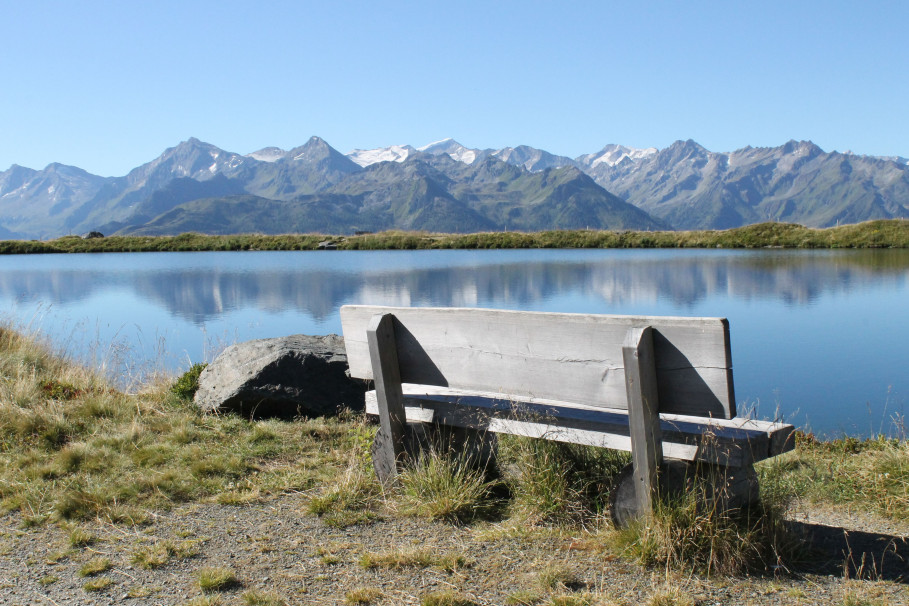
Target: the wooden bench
pixel 659 387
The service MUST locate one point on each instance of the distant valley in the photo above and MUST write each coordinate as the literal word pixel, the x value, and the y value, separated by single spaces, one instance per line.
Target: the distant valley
pixel 446 187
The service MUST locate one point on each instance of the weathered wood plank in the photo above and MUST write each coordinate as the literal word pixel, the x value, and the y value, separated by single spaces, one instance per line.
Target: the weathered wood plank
pixel 643 415
pixel 566 357
pixel 734 442
pixel 388 448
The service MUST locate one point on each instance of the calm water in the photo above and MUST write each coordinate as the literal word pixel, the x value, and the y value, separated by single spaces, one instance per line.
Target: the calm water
pixel 819 336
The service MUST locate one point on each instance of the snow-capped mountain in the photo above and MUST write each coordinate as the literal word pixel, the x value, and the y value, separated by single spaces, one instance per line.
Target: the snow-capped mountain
pixel 445 185
pixel 691 187
pixel 531 158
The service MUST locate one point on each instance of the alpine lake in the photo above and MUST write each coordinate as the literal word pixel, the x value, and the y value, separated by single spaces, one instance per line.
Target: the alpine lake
pixel 819 338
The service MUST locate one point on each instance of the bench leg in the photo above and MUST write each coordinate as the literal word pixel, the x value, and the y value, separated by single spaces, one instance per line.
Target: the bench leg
pixel 643 415
pixel 388 448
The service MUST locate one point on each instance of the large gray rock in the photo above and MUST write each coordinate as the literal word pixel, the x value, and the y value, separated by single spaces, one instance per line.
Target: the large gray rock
pixel 286 377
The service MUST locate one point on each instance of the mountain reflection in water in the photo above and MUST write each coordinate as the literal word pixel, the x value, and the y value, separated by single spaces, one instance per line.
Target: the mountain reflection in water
pixel 821 333
pixel 199 294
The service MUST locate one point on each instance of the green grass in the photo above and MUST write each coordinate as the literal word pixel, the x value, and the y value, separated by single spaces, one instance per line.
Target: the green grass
pixel 555 482
pixel 893 233
pixel 871 473
pixel 262 598
pixel 95 566
pixel 218 578
pixel 187 384
pixel 443 486
pixel 99 584
pixel 693 531
pixel 159 554
pixel 352 498
pixel 79 537
pixel 446 598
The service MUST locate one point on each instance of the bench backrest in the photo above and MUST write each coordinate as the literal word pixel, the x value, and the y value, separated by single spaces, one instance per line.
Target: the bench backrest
pixel 567 357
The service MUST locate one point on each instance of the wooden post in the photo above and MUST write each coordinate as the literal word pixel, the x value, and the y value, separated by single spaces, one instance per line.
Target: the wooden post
pixel 643 415
pixel 388 448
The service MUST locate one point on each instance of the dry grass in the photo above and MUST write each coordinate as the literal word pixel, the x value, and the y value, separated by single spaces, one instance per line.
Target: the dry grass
pixel 415 558
pixel 74 448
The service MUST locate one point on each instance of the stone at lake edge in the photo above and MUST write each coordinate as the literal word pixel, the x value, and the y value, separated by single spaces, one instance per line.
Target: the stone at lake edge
pixel 284 376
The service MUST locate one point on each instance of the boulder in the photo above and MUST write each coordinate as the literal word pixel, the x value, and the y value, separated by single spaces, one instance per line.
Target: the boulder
pixel 285 377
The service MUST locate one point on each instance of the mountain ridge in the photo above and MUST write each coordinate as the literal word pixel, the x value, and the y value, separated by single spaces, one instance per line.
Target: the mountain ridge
pixel 683 186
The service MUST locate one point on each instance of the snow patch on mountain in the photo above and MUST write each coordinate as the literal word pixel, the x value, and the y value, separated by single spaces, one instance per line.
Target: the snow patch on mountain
pixel 613 154
pixel 268 154
pixel 897 159
pixel 454 149
pixel 532 159
pixel 393 153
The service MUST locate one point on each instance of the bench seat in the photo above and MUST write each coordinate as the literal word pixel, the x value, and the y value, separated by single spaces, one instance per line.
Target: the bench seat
pixel 736 442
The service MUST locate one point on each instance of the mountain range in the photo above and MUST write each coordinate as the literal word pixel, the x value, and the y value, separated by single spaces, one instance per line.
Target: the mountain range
pixel 446 187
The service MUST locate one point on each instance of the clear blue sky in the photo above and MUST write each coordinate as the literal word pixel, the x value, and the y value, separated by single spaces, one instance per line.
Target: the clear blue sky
pixel 107 86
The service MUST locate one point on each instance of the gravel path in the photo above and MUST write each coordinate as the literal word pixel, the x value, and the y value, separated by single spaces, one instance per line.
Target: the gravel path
pixel 278 551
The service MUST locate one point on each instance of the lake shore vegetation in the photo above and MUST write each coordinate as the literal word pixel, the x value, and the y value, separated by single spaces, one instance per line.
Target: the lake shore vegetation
pixel 86 462
pixel 891 233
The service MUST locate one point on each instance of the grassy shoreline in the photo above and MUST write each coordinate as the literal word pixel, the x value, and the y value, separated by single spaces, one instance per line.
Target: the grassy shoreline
pixel 76 453
pixel 892 233
pixel 57 418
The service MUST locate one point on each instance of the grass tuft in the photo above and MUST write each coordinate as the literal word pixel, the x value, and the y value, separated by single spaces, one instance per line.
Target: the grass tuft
pixel 262 598
pixel 362 595
pixel 555 482
pixel 156 556
pixel 186 386
pixel 349 500
pixel 556 577
pixel 98 584
pixel 95 566
pixel 446 598
pixel 444 487
pixel 670 597
pixel 693 531
pixel 525 597
pixel 213 579
pixel 79 537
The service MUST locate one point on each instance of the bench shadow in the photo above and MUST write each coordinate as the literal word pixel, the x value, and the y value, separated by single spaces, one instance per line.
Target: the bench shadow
pixel 679 384
pixel 414 361
pixel 854 554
